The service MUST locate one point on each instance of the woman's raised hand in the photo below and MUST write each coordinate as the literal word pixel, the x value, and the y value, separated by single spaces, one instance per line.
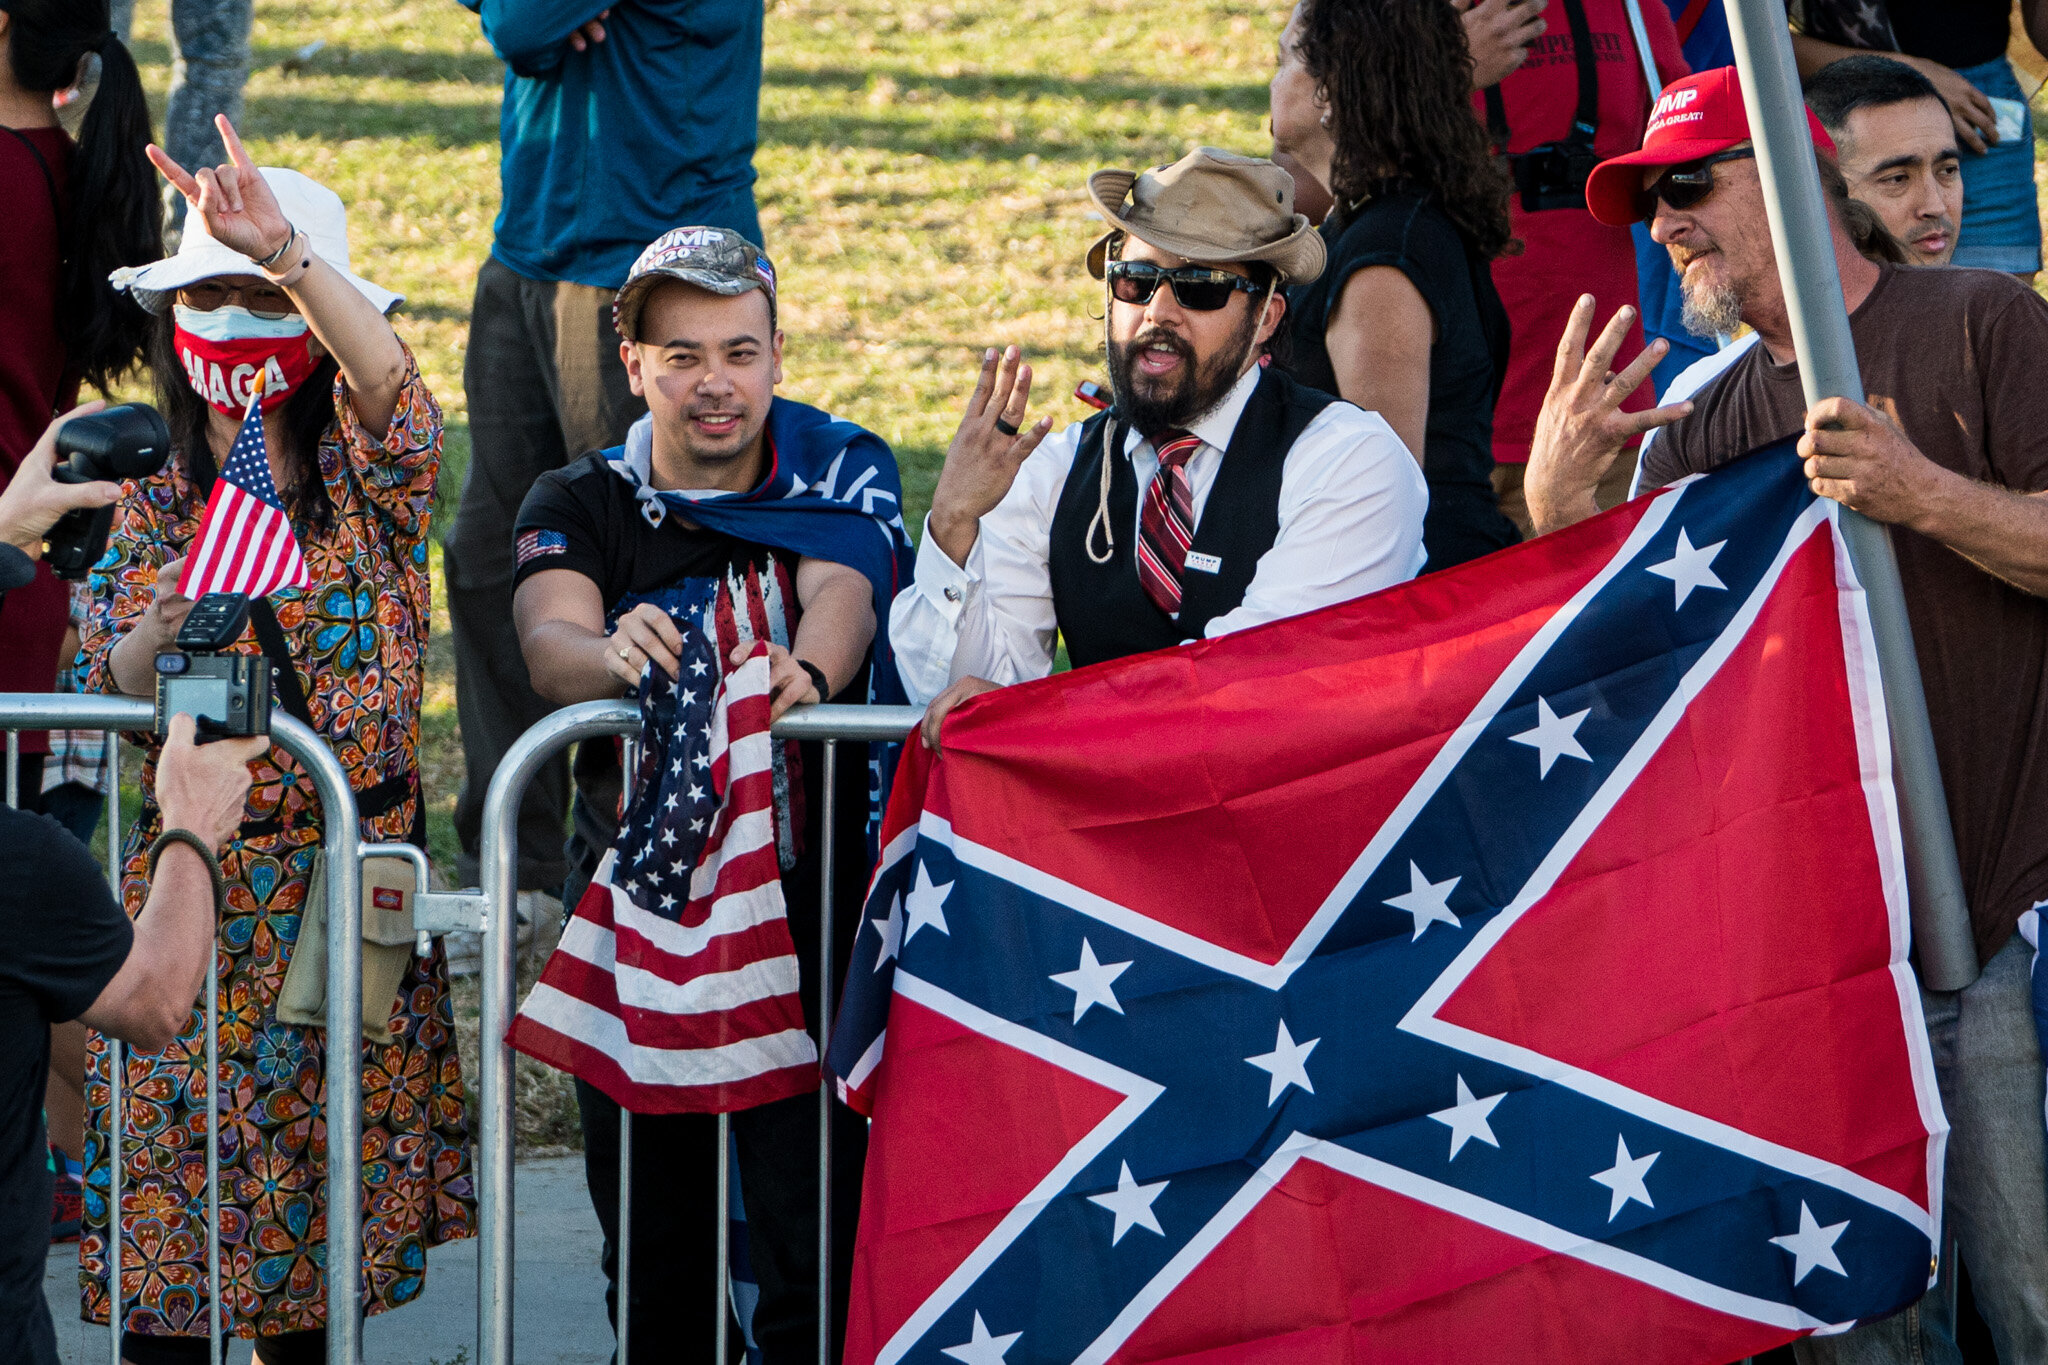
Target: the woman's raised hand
pixel 234 199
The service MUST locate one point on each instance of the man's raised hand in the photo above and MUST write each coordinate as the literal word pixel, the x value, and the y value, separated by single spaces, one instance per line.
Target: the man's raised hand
pixel 234 198
pixel 983 460
pixel 1581 427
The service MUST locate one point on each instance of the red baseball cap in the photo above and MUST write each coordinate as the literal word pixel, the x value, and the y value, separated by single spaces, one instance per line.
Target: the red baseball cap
pixel 1695 117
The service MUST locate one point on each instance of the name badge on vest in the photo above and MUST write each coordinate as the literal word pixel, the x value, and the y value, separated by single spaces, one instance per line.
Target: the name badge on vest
pixel 1204 563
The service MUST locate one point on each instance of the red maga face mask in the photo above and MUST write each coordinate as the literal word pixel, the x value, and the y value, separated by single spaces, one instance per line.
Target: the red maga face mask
pixel 221 365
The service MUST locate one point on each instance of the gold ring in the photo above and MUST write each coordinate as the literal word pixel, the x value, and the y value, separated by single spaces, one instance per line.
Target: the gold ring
pixel 626 653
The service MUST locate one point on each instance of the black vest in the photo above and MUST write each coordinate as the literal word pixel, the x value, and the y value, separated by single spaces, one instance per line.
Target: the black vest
pixel 1102 608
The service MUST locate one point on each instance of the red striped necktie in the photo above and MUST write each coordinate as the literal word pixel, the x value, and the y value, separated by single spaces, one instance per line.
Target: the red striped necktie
pixel 1168 525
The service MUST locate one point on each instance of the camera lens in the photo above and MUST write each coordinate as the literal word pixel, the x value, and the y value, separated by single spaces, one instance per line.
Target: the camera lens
pixel 126 442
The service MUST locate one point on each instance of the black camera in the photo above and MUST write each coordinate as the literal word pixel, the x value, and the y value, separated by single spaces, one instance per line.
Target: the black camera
pixel 1554 175
pixel 227 694
pixel 126 442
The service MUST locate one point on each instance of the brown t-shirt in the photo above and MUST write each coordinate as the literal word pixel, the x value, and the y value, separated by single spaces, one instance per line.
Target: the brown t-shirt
pixel 1957 358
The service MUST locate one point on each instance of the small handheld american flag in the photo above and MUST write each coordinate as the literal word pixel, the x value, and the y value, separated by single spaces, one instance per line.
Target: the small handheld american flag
pixel 245 540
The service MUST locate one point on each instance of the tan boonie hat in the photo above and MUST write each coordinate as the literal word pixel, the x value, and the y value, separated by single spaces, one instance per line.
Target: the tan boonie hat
pixel 1210 207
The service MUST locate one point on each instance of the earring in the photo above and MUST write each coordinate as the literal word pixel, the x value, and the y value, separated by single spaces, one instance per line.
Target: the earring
pixel 1325 120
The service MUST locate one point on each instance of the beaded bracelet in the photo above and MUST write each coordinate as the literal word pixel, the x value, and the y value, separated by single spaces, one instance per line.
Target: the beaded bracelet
pixel 203 849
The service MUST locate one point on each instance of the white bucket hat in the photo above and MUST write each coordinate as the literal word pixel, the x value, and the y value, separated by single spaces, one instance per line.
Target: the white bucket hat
pixel 310 207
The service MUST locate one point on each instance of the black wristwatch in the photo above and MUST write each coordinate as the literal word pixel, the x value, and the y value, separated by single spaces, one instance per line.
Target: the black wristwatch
pixel 817 677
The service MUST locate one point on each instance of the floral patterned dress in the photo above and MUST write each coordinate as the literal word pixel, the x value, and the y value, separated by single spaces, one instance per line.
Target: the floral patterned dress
pixel 358 635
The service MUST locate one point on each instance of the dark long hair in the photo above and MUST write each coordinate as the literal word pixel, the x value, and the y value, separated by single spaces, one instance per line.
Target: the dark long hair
pixel 1872 238
pixel 1398 78
pixel 115 218
pixel 307 415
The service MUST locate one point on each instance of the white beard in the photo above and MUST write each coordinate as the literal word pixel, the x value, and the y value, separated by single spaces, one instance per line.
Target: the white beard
pixel 1710 312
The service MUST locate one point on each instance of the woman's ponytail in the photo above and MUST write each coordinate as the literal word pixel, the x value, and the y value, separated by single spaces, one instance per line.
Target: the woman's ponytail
pixel 115 216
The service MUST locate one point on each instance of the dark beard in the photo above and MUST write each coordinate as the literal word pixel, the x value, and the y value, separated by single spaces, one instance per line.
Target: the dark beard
pixel 1199 388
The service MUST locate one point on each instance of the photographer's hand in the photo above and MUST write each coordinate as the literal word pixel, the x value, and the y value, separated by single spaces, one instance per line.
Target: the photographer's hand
pixel 33 500
pixel 203 787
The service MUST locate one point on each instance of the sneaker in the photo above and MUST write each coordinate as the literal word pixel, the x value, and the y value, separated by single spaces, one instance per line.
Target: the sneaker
pixel 466 950
pixel 68 1207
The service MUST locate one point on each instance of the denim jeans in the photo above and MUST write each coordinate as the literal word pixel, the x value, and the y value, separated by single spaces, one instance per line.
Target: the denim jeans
pixel 1988 1063
pixel 75 806
pixel 2001 228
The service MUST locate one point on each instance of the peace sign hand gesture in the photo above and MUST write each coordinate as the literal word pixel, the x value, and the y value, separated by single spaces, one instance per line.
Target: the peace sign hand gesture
pixel 234 199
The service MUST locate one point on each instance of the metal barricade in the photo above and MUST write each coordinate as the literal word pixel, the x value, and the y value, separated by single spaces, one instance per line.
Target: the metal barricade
pixel 34 711
pixel 497 917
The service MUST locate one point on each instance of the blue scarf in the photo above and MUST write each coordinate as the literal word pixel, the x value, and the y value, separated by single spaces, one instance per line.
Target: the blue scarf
pixel 831 492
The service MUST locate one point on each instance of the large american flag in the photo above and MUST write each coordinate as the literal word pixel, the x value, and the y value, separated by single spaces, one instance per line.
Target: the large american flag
pixel 245 540
pixel 675 987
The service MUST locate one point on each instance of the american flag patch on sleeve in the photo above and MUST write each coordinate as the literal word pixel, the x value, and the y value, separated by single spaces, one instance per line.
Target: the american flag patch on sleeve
pixel 533 544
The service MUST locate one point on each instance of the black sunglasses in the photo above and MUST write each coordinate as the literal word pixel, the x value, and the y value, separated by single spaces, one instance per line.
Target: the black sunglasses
pixel 1687 183
pixel 1198 288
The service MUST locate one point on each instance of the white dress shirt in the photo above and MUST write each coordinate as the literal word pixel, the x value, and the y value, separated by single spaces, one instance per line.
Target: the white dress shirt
pixel 1351 505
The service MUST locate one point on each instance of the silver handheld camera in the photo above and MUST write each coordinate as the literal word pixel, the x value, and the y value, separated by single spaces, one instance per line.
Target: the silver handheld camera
pixel 227 694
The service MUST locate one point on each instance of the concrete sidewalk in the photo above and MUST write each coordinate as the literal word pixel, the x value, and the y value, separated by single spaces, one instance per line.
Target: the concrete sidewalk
pixel 560 1303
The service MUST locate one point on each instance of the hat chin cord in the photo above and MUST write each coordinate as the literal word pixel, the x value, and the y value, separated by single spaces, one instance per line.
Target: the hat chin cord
pixel 1101 517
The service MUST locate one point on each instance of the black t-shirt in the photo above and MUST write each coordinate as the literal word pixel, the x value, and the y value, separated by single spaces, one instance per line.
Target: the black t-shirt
pixel 64 938
pixel 1956 33
pixel 1405 230
pixel 585 517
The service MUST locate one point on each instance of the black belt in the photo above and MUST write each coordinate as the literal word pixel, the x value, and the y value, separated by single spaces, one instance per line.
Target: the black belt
pixel 371 802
